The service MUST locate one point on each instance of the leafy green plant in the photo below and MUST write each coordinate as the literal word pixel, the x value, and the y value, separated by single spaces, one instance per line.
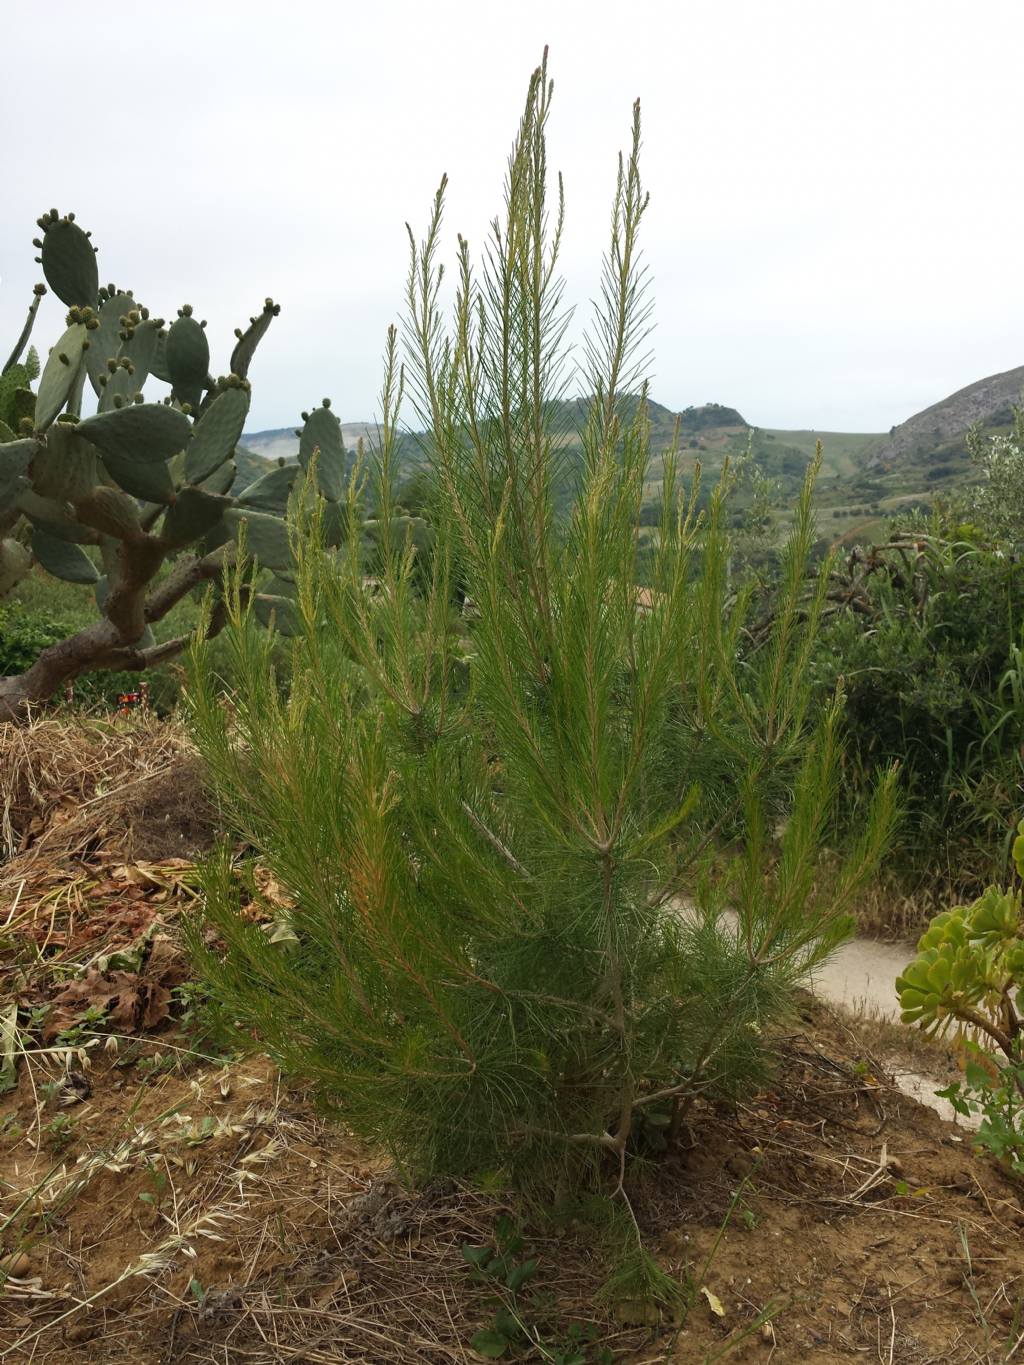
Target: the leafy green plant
pixel 10 1128
pixel 969 974
pixel 88 1025
pixel 503 1265
pixel 59 1132
pixel 158 1184
pixel 499 764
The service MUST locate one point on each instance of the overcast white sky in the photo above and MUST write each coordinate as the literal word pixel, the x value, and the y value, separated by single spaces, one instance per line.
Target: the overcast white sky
pixel 836 190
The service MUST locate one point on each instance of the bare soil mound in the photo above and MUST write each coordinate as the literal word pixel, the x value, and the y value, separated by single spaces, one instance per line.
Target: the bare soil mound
pixel 203 1212
pixel 70 787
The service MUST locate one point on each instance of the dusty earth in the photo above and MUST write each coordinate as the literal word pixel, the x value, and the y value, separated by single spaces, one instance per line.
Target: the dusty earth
pixel 162 1203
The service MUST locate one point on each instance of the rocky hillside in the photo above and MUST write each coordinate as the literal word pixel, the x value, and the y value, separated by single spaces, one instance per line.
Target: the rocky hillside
pixel 987 402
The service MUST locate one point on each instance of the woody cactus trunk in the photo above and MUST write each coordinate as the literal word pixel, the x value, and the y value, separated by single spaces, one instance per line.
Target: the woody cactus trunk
pixel 135 498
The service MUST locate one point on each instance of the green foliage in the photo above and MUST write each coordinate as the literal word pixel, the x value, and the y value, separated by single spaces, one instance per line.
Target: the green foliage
pixel 925 633
pixel 485 816
pixel 24 633
pixel 503 1265
pixel 709 415
pixel 969 973
pixel 996 502
pixel 42 611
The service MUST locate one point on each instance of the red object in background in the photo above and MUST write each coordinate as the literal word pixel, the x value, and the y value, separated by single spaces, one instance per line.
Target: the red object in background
pixel 128 701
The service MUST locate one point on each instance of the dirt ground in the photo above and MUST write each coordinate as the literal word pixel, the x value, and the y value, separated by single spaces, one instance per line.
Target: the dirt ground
pixel 162 1204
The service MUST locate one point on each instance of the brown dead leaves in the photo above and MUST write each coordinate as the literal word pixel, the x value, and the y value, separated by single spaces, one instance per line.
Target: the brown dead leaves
pixel 129 1001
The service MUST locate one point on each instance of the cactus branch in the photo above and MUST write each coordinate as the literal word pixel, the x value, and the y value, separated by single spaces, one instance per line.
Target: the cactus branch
pixel 26 331
pixel 188 573
pixel 110 643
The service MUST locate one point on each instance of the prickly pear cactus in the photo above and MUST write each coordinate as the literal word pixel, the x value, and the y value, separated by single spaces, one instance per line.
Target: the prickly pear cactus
pixel 102 484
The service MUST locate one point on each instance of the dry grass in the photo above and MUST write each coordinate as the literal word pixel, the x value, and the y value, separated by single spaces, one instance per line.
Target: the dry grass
pixel 70 783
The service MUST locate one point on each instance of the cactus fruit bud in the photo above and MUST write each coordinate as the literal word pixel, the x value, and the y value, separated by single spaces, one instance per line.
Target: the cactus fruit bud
pixel 39 290
pixel 37 242
pixel 327 402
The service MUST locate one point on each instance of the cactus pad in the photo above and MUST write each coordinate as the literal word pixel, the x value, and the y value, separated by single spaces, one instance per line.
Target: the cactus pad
pixel 69 262
pixel 151 482
pixel 269 493
pixel 105 341
pixel 60 374
pixel 221 480
pixel 193 514
pixel 216 434
pixel 322 431
pixel 134 358
pixel 15 562
pixel 278 613
pixel 241 356
pixel 66 467
pixel 187 356
pixel 144 433
pixel 56 518
pixel 62 559
pixel 111 511
pixel 15 457
pixel 266 537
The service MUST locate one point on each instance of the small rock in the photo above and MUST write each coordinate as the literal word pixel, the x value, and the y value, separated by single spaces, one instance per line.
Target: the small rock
pixel 79 1331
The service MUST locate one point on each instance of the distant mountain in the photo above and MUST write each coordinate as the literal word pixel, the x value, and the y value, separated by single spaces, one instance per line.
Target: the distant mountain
pixel 712 418
pixel 940 430
pixel 865 476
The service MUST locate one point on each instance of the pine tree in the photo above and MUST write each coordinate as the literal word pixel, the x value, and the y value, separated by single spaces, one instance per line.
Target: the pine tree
pixel 501 763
